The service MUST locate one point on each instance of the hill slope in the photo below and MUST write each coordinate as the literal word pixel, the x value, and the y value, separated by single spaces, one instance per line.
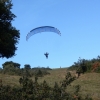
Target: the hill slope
pixel 90 82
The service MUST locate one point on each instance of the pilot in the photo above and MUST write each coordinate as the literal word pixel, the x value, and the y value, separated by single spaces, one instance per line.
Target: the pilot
pixel 46 54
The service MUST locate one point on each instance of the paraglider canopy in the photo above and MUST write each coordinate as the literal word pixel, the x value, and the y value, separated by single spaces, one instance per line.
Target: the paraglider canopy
pixel 42 29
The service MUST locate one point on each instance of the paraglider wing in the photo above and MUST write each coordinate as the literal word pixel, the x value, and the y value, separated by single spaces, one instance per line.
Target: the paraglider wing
pixel 42 29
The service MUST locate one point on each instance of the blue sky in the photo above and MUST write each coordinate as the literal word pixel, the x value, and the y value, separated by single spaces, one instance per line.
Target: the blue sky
pixel 77 20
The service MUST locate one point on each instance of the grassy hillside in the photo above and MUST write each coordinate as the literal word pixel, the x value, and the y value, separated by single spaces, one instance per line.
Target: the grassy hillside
pixel 90 82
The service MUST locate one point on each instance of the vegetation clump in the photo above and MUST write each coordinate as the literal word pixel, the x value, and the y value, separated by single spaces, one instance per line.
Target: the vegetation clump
pixel 12 68
pixel 32 90
pixel 83 66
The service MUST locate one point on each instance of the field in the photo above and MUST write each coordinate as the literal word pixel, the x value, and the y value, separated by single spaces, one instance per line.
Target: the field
pixel 90 82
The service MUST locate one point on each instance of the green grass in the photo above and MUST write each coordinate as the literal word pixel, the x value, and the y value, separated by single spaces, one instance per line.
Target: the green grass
pixel 90 82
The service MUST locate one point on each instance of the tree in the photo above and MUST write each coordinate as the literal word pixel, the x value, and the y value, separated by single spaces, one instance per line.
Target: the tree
pixel 82 68
pixel 11 63
pixel 9 35
pixel 27 67
pixel 11 68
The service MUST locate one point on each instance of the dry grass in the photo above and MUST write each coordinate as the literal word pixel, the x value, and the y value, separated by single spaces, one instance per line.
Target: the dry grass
pixel 10 80
pixel 56 75
pixel 90 82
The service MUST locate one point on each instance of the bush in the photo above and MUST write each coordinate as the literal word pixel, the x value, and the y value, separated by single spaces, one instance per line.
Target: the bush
pixel 32 90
